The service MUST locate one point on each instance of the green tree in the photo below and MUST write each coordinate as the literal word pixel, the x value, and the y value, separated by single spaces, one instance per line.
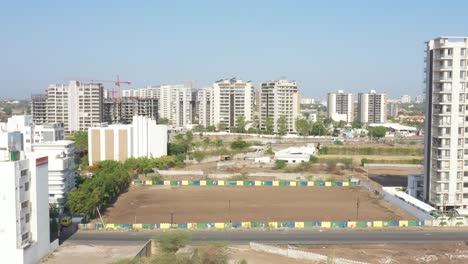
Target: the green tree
pixel 8 110
pixel 318 129
pixel 377 132
pixel 164 121
pixel 81 141
pixel 269 125
pixel 240 124
pixel 211 128
pixel 170 242
pixel 282 124
pixel 356 124
pixel 302 127
pixel 239 144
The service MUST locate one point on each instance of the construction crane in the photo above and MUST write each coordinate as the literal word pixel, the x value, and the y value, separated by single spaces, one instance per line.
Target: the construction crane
pixel 117 83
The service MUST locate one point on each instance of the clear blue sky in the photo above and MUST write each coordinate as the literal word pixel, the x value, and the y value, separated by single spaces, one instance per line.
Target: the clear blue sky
pixel 324 45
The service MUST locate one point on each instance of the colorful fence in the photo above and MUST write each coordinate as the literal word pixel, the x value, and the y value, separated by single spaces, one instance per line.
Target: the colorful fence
pixel 265 225
pixel 246 183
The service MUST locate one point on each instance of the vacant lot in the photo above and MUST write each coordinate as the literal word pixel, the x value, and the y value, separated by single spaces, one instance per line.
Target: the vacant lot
pixel 154 204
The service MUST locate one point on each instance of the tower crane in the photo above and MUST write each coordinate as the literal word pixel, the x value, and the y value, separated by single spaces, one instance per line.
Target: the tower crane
pixel 117 83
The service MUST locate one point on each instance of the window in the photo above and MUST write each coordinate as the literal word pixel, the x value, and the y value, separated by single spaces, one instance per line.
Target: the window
pixel 26 186
pixel 463 51
pixel 25 236
pixel 465 185
pixel 462 75
pixel 24 204
pixel 24 172
pixel 449 52
pixel 27 218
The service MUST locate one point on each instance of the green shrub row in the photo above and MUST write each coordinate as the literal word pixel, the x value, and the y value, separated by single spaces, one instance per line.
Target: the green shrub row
pixel 370 151
pixel 397 161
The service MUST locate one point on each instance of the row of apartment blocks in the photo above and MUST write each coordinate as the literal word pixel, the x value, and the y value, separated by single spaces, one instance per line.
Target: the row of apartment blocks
pixel 371 107
pixel 80 106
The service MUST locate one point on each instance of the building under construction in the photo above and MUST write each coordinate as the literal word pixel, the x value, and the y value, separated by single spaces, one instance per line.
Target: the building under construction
pixel 122 111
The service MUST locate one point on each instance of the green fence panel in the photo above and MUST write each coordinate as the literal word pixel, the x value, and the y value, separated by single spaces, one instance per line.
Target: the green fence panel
pixel 361 224
pixel 412 223
pixel 283 183
pixel 210 182
pixel 137 182
pixel 257 224
pixel 202 225
pixel 173 183
pixel 339 224
pixel 147 226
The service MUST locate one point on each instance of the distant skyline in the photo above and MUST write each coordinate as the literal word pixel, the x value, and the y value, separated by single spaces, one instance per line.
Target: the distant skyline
pixel 325 46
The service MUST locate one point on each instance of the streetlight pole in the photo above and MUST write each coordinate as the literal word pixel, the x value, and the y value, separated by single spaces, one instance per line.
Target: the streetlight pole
pixel 357 208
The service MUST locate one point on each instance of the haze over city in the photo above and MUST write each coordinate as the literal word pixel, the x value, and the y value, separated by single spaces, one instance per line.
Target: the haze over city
pixel 323 45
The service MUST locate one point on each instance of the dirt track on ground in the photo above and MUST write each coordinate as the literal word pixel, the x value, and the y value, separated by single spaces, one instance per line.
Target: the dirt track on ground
pixel 154 204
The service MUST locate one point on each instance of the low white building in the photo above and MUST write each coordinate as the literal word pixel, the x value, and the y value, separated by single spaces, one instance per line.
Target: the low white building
pixel 296 154
pixel 143 138
pixel 395 129
pixel 61 169
pixel 24 225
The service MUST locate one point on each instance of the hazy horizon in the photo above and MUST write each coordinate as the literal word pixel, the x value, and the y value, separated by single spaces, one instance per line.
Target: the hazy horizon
pixel 353 46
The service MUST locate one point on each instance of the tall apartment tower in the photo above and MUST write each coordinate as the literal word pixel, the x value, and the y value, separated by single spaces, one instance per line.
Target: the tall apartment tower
pixel 372 107
pixel 279 98
pixel 77 105
pixel 446 135
pixel 123 111
pixel 204 106
pixel 232 98
pixel 174 101
pixel 340 106
pixel 39 108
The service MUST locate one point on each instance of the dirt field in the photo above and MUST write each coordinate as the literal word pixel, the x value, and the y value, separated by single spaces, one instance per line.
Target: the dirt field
pixel 154 204
pixel 456 253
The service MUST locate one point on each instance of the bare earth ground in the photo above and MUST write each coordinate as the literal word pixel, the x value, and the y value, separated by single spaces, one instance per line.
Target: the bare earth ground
pixel 154 204
pixel 456 253
pixel 402 171
pixel 238 253
pixel 89 253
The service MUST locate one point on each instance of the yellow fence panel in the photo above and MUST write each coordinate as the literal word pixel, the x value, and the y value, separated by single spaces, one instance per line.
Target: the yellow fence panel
pixel 326 224
pixel 273 224
pixel 292 183
pixel 345 183
pixel 328 184
pixel 167 183
pixel 109 226
pixel 275 183
pixel 378 224
pixel 149 182
pixel 219 225
pixel 220 183
pixel 310 183
pixel 403 223
pixel 165 226
pixel 246 224
pixel 299 224
pixel 184 183
pixel 351 224
pixel 258 183
pixel 137 226
pixel 202 183
pixel 240 183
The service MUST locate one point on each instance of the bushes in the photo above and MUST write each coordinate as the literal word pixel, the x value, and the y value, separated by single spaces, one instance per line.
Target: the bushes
pixel 172 241
pixel 199 155
pixel 371 151
pixel 108 181
pixel 397 161
pixel 239 144
pixel 279 164
pixel 301 167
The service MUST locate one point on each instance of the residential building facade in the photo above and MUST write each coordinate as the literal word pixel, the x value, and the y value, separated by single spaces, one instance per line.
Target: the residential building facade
pixel 142 138
pixel 372 107
pixel 204 106
pixel 24 225
pixel 279 98
pixel 340 106
pixel 77 105
pixel 232 98
pixel 446 132
pixel 122 112
pixel 39 108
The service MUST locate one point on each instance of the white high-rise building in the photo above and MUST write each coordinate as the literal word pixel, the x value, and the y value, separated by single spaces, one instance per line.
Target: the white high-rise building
pixel 24 225
pixel 174 101
pixel 232 98
pixel 341 106
pixel 307 101
pixel 372 107
pixel 47 140
pixel 419 99
pixel 405 99
pixel 446 134
pixel 204 106
pixel 279 98
pixel 77 105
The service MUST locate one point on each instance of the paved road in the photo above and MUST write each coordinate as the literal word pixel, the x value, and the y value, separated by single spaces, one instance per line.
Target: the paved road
pixel 284 237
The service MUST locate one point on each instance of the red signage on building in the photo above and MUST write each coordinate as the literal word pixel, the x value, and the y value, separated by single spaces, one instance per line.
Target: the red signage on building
pixel 42 161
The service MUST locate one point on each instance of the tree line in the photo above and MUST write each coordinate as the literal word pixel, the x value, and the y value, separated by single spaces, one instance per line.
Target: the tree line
pixel 110 178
